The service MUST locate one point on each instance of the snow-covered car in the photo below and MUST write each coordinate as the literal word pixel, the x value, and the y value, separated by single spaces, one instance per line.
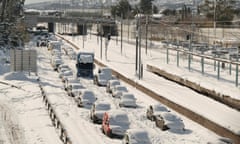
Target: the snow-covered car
pixel 54 45
pixel 127 100
pixel 63 66
pixel 68 50
pixel 85 99
pixel 111 84
pixel 68 81
pixel 72 55
pixel 115 123
pixel 103 76
pixel 62 71
pixel 74 89
pixel 136 136
pixel 97 111
pixel 155 110
pixel 168 120
pixel 56 62
pixel 118 90
pixel 66 74
pixel 56 52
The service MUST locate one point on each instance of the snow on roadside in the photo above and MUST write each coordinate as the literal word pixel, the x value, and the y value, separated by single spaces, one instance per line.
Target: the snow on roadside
pixel 26 109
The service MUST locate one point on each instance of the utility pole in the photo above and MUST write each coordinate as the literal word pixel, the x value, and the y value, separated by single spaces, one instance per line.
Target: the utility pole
pixel 214 26
pixel 3 10
pixel 101 29
pixel 121 30
pixel 137 34
pixel 146 39
pixel 140 46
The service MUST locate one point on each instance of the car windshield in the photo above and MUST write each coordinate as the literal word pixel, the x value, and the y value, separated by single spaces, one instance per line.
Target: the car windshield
pixel 89 97
pixel 170 117
pixel 102 76
pixel 115 83
pixel 64 69
pixel 58 61
pixel 159 108
pixel 88 94
pixel 103 107
pixel 77 86
pixel 121 88
pixel 72 80
pixel 128 96
pixel 64 66
pixel 68 73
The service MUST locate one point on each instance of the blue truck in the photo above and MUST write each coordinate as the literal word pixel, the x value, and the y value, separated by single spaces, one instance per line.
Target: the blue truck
pixel 85 64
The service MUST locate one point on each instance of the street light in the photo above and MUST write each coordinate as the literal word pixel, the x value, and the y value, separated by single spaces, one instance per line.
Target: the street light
pixel 214 26
pixel 139 47
pixel 121 30
pixel 137 34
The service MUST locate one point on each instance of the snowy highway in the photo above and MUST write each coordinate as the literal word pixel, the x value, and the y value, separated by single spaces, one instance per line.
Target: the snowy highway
pixel 35 125
pixel 77 121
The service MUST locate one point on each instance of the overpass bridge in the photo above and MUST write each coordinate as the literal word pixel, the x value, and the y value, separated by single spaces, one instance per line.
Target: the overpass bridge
pixel 104 25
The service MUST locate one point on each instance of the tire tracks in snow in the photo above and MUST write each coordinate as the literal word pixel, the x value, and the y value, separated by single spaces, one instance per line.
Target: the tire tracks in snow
pixel 9 125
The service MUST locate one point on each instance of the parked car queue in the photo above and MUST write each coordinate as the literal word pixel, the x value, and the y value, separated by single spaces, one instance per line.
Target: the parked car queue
pixel 113 123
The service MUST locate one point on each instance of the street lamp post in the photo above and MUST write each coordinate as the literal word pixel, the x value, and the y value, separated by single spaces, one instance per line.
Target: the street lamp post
pixel 214 26
pixel 237 68
pixel 146 39
pixel 121 30
pixel 137 34
pixel 101 29
pixel 140 46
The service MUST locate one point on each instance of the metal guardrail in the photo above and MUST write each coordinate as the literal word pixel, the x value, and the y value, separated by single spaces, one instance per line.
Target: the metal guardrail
pixel 63 135
pixel 203 57
pixel 220 130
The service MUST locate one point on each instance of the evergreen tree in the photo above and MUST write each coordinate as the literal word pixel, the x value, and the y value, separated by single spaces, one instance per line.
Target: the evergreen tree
pixel 122 9
pixel 223 12
pixel 146 6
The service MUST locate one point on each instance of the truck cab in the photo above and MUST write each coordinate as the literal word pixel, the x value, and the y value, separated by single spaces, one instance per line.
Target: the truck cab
pixel 85 64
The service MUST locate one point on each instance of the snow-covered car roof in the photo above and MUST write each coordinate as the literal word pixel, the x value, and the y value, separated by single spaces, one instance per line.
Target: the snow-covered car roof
pixel 76 86
pixel 120 88
pixel 127 95
pixel 114 82
pixel 87 93
pixel 63 66
pixel 68 73
pixel 159 107
pixel 72 80
pixel 105 70
pixel 138 136
pixel 102 106
pixel 118 116
pixel 172 121
pixel 86 96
